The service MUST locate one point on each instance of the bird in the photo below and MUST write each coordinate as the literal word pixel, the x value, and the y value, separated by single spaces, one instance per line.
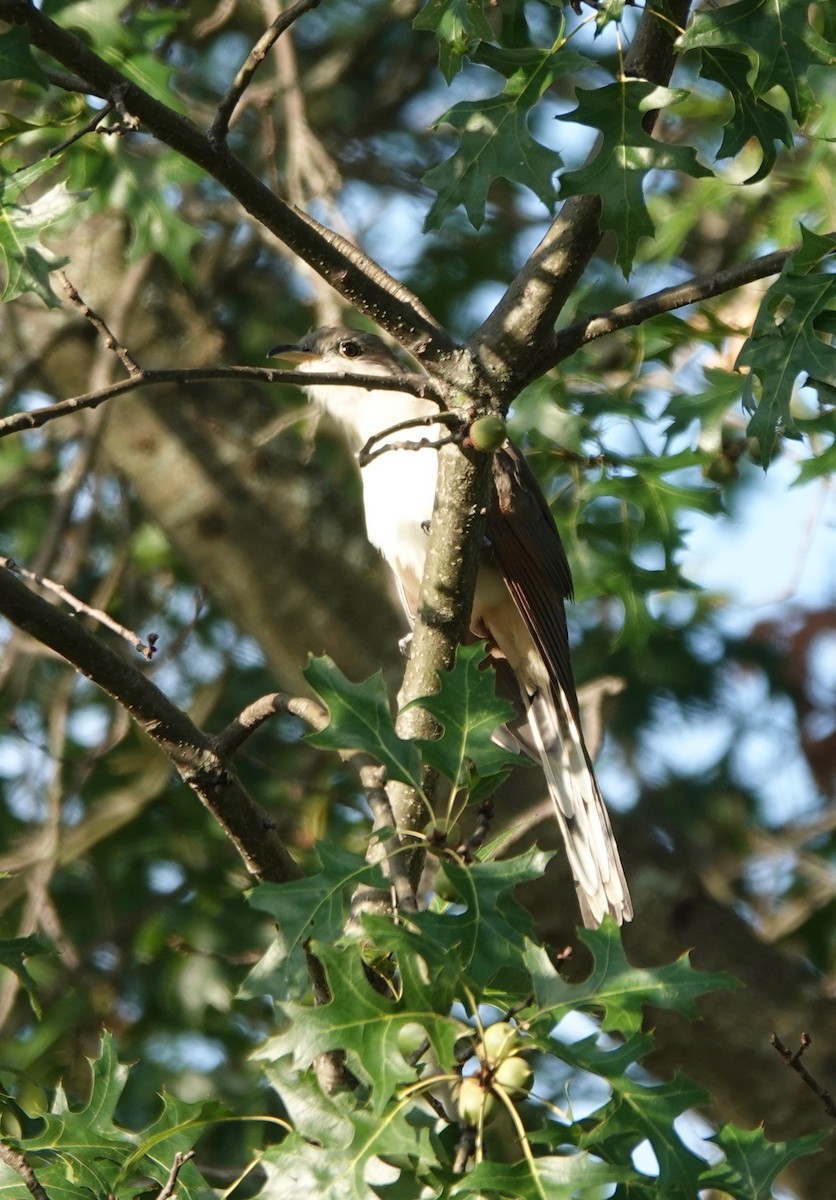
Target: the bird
pixel 522 582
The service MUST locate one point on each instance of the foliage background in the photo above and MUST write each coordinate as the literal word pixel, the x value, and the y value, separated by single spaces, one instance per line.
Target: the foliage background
pixel 220 516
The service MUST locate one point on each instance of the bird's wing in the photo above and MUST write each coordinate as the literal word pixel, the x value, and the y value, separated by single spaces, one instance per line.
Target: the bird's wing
pixel 528 551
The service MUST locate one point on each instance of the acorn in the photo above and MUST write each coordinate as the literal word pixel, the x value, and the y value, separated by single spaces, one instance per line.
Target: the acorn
pixel 476 1105
pixel 514 1076
pixel 499 1041
pixel 488 433
pixel 412 1041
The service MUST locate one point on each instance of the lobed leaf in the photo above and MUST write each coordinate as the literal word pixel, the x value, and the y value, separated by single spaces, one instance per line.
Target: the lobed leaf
pixel 495 140
pixel 317 906
pixel 614 987
pixel 624 157
pixel 469 712
pixel 361 719
pixel 791 335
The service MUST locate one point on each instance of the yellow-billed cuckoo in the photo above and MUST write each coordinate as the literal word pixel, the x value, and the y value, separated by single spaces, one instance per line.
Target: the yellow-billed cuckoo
pixel 520 588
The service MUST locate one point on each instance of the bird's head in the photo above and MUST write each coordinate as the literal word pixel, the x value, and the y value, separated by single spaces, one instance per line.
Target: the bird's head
pixel 338 351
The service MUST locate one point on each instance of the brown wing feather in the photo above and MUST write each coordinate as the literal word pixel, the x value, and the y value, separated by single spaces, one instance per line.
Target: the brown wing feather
pixel 527 549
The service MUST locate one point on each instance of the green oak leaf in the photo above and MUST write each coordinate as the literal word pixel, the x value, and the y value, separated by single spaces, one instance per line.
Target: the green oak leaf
pixel 297 1167
pixel 361 1022
pixel 16 61
pixel 637 1112
pixel 457 24
pixel 361 719
pixel 81 1152
pixel 556 1176
pixel 753 1162
pixel 314 1114
pixel 824 462
pixel 127 38
pixel 785 340
pixel 13 955
pixel 317 906
pixel 487 928
pixel 753 116
pixel 616 989
pixel 469 712
pixel 709 407
pixel 495 140
pixel 777 38
pixel 624 157
pixel 26 262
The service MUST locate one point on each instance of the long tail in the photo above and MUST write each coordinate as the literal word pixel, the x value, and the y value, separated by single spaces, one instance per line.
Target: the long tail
pixel 581 814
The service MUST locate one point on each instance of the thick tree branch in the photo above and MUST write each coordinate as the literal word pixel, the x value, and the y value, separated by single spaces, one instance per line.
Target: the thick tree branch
pixel 191 751
pixel 146 649
pixel 355 276
pixel 512 343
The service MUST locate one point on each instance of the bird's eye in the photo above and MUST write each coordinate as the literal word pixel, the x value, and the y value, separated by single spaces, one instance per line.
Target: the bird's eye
pixel 350 349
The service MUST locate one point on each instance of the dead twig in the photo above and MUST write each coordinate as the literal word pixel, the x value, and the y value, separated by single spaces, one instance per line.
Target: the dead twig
pixel 146 649
pixel 452 420
pixel 180 1160
pixel 122 353
pixel 87 127
pixel 220 126
pixel 793 1059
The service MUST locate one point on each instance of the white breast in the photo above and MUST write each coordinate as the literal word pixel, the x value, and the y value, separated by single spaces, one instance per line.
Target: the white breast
pixel 398 485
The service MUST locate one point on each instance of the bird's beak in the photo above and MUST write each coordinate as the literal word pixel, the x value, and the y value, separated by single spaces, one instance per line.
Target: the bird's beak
pixel 291 354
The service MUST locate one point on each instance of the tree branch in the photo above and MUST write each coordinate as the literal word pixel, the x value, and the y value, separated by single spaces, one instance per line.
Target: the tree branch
pixel 146 649
pixel 14 1159
pixel 198 764
pixel 355 276
pixel 122 353
pixel 512 343
pixel 367 769
pixel 220 125
pixel 793 1059
pixel 420 385
pixel 635 312
pixel 166 1192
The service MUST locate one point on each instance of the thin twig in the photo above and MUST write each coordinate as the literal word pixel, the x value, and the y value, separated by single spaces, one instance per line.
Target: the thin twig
pixel 793 1059
pixel 453 420
pixel 370 773
pixel 146 649
pixel 180 1160
pixel 122 353
pixel 418 385
pixel 220 126
pixel 635 312
pixel 86 128
pixel 14 1159
pixel 216 20
pixel 421 444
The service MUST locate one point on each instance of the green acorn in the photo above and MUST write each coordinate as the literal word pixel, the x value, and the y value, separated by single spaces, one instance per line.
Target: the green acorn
pixel 488 433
